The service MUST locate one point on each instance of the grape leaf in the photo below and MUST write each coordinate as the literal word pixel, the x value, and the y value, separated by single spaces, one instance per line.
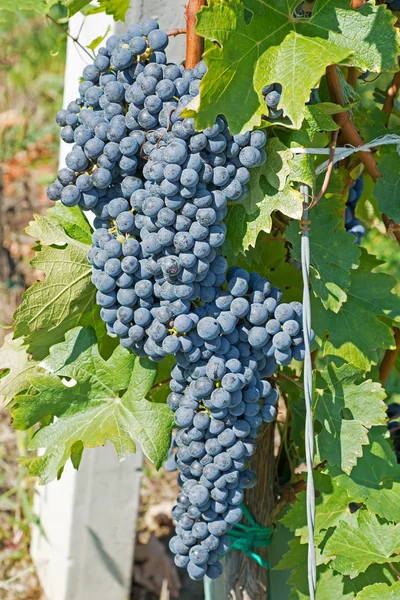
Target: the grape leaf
pixel 116 8
pixel 319 120
pixel 330 585
pixel 332 253
pixel 15 365
pixel 39 6
pixel 296 560
pixel 387 187
pixel 357 547
pixel 104 400
pixel 66 298
pixel 277 166
pixel 269 259
pixel 380 591
pixel 375 480
pixel 302 168
pixel 75 6
pixel 245 221
pixel 346 411
pixel 98 40
pixel 331 504
pixel 355 332
pixel 275 47
pixel 73 221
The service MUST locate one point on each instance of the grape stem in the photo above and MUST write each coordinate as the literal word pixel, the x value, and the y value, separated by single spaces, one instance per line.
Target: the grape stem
pixel 194 43
pixel 175 32
pixel 351 136
pixel 328 171
pixel 160 383
pixel 67 33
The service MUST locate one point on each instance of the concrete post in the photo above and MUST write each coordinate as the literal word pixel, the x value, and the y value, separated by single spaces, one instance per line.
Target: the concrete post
pixel 89 516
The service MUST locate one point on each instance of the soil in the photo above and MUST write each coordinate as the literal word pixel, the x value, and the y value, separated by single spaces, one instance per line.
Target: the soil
pixel 155 576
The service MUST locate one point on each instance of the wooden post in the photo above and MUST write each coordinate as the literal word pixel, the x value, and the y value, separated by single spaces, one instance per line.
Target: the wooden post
pixel 243 578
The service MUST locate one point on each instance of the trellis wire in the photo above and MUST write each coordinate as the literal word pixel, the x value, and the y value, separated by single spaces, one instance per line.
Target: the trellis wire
pixel 341 153
pixel 309 432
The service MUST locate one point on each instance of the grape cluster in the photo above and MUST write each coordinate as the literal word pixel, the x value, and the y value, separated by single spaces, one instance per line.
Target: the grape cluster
pixel 393 4
pixel 393 414
pixel 272 95
pixel 352 224
pixel 159 191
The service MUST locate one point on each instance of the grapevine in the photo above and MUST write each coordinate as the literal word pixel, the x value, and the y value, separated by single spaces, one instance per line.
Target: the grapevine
pixel 159 190
pixel 183 293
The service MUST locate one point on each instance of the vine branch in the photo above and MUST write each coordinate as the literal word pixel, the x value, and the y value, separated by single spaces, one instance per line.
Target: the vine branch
pixel 345 123
pixel 328 171
pixel 67 33
pixel 391 95
pixel 389 359
pixel 194 42
pixel 352 76
pixel 351 136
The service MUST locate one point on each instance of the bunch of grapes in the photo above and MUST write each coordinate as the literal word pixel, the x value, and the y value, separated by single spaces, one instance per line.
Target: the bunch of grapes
pixel 159 191
pixel 352 224
pixel 272 95
pixel 393 4
pixel 393 414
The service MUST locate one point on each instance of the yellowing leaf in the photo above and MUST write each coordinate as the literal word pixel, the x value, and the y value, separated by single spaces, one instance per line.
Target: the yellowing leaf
pixel 102 400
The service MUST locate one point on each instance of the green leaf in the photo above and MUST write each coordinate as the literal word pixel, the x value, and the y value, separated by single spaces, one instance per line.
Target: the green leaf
pixel 357 547
pixel 296 560
pixel 73 221
pixel 245 221
pixel 259 43
pixel 75 6
pixel 98 40
pixel 380 591
pixel 15 365
pixel 332 253
pixel 387 187
pixel 102 400
pixel 35 5
pixel 302 168
pixel 269 259
pixel 277 166
pixel 375 480
pixel 318 120
pixel 346 411
pixel 330 585
pixel 116 8
pixel 331 504
pixel 66 298
pixel 355 332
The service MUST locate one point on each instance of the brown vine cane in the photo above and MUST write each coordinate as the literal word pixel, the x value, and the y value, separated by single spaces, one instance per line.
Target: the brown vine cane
pixel 194 42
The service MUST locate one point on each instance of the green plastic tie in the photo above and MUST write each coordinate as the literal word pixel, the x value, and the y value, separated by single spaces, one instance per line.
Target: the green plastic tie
pixel 247 537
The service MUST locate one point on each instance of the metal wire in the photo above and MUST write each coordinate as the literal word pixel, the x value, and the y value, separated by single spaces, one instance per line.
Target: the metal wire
pixel 309 432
